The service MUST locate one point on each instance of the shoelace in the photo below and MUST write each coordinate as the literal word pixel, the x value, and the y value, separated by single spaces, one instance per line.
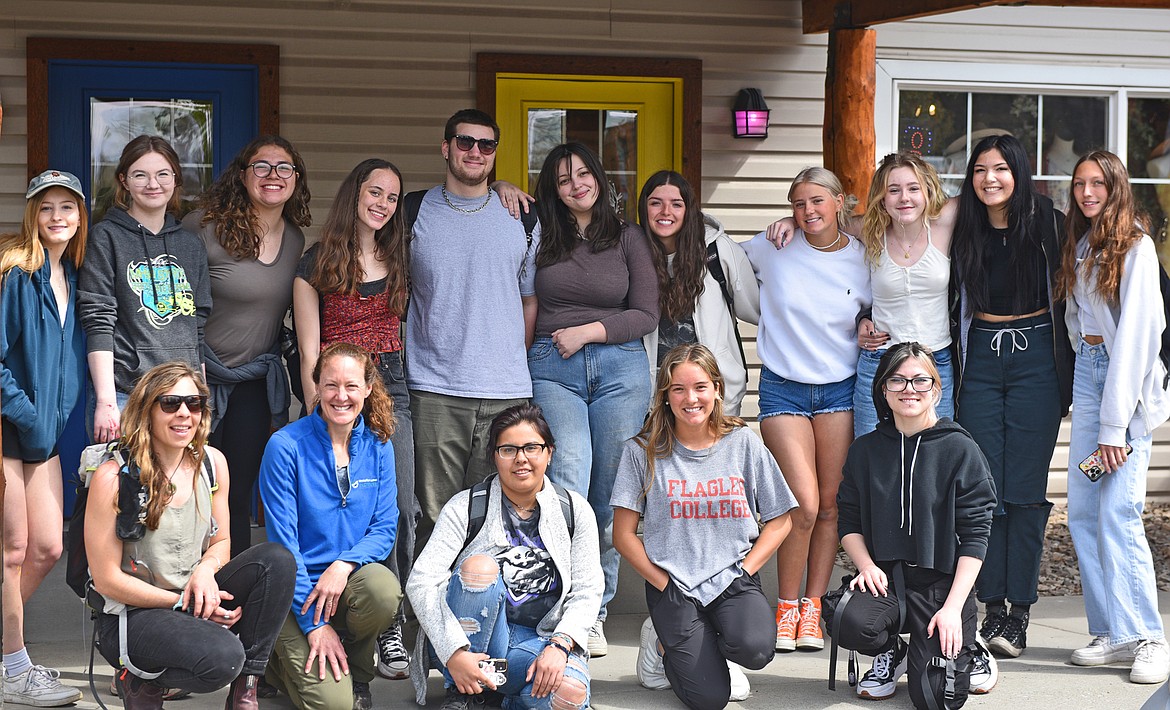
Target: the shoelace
pixel 790 618
pixel 1144 650
pixel 43 675
pixel 883 665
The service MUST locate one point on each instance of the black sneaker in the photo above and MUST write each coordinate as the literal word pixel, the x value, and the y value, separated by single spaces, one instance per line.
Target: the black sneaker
pixel 1013 639
pixel 459 701
pixel 984 670
pixel 393 660
pixel 993 624
pixel 880 681
pixel 362 700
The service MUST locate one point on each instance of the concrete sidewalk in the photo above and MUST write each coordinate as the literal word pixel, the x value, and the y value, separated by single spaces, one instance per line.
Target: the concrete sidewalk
pixel 59 633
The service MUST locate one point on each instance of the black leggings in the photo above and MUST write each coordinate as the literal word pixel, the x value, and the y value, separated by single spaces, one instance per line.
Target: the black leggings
pixel 241 436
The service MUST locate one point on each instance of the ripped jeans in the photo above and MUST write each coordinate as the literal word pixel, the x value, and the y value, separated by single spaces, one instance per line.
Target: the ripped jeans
pixel 483 617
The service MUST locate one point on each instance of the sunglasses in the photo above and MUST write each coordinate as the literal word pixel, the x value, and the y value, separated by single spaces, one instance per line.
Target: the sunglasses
pixel 487 146
pixel 169 403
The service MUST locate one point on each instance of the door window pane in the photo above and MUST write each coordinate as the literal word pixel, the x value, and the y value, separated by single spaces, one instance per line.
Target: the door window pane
pixel 1148 159
pixel 613 135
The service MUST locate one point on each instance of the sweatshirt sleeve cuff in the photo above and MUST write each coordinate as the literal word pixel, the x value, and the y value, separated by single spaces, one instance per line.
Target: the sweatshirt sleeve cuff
pixel 1111 435
pixel 99 342
pixel 976 549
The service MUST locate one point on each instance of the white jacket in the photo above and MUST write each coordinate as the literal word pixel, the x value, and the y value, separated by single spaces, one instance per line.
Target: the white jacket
pixel 1133 399
pixel 714 326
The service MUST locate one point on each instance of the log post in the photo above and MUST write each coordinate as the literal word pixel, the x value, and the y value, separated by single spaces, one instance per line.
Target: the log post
pixel 849 135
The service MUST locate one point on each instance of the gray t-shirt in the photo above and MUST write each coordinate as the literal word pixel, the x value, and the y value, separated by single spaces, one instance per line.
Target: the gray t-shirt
pixel 702 507
pixel 465 326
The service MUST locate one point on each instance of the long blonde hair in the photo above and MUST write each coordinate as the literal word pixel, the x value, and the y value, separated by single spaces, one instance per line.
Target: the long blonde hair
pixel 657 436
pixel 137 436
pixel 876 220
pixel 823 177
pixel 24 250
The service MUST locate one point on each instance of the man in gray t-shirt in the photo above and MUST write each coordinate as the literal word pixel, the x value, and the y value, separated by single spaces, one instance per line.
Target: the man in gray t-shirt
pixel 471 317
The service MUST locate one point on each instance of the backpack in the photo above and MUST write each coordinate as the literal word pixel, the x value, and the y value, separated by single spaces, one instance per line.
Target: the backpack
pixel 477 505
pixel 1164 351
pixel 716 270
pixel 130 523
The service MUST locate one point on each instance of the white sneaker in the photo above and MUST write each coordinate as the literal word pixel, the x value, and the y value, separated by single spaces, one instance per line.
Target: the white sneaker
pixel 39 687
pixel 1100 652
pixel 651 672
pixel 598 646
pixel 1151 662
pixel 984 670
pixel 880 681
pixel 740 687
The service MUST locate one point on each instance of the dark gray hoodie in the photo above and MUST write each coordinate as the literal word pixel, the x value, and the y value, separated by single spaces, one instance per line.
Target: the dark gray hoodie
pixel 143 296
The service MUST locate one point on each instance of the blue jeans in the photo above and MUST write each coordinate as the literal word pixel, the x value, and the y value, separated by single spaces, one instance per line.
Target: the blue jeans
pixel 1009 401
pixel 594 401
pixel 400 561
pixel 865 416
pixel 493 635
pixel 1105 518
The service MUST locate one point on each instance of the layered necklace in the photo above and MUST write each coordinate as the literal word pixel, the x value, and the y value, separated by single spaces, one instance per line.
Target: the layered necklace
pixel 452 205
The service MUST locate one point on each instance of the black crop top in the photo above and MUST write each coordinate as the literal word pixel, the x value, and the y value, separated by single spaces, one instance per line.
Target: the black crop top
pixel 1007 293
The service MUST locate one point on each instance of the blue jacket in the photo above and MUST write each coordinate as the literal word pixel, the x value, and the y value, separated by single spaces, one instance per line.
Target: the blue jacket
pixel 41 361
pixel 306 511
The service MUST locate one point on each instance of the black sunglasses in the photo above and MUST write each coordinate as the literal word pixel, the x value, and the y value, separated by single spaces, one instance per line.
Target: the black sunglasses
pixel 169 403
pixel 487 146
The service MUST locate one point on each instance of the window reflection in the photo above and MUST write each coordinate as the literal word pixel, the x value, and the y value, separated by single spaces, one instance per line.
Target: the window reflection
pixel 613 134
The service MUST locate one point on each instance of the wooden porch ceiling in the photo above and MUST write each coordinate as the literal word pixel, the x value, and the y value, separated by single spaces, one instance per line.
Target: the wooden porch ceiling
pixel 824 15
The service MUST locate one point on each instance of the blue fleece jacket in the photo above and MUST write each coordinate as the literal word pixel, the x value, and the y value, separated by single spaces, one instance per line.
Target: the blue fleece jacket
pixel 41 360
pixel 306 511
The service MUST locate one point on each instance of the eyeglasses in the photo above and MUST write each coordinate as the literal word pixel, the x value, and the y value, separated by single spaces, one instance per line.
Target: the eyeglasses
pixel 263 168
pixel 487 146
pixel 920 384
pixel 169 403
pixel 140 178
pixel 507 451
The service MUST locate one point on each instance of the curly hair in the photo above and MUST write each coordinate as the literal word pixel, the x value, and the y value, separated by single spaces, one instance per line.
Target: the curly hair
pixel 137 437
pixel 679 290
pixel 1116 230
pixel 379 406
pixel 657 436
pixel 338 266
pixel 877 220
pixel 227 204
pixel 558 227
pixel 135 149
pixel 24 250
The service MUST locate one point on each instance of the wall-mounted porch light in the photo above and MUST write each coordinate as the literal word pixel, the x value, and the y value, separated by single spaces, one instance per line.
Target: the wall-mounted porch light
pixel 750 115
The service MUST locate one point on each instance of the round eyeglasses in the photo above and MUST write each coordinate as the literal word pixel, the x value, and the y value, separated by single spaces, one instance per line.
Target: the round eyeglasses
pixel 263 168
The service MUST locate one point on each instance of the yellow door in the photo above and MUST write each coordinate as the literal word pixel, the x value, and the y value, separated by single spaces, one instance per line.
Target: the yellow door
pixel 633 123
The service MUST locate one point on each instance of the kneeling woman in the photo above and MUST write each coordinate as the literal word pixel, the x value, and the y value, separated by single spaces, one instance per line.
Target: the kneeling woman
pixel 525 588
pixel 330 498
pixel 701 555
pixel 915 503
pixel 174 580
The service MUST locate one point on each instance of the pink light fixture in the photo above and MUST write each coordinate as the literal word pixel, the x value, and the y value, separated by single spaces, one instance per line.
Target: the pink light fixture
pixel 750 115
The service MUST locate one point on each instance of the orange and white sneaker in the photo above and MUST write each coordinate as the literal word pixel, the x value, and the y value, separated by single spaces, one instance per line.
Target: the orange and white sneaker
pixel 808 633
pixel 787 619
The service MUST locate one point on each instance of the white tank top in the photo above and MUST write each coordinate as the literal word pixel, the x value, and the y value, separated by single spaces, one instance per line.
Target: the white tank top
pixel 910 302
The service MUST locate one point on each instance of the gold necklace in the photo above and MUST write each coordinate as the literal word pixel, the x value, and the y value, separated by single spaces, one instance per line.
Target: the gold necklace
pixel 519 508
pixel 827 247
pixel 453 206
pixel 913 242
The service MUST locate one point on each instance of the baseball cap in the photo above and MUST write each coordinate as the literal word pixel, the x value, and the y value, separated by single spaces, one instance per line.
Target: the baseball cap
pixel 54 178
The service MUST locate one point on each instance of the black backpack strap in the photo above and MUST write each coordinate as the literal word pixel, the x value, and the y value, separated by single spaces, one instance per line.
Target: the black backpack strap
pixel 413 202
pixel 715 268
pixel 835 633
pixel 566 508
pixel 477 504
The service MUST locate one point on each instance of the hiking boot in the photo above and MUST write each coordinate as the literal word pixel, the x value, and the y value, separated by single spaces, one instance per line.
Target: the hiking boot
pixel 1013 639
pixel 740 687
pixel 984 670
pixel 993 624
pixel 242 693
pixel 808 632
pixel 598 646
pixel 880 681
pixel 459 701
pixel 39 687
pixel 1100 652
pixel 362 700
pixel 138 694
pixel 1151 662
pixel 651 672
pixel 787 619
pixel 393 660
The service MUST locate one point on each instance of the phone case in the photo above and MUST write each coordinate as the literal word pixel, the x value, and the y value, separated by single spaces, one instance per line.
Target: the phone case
pixel 1092 466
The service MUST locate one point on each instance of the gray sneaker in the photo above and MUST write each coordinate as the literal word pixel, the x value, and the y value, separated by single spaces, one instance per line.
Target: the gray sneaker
pixel 39 687
pixel 598 646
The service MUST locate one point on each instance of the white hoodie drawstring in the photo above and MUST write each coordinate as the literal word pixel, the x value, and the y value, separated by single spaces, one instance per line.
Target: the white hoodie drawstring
pixel 908 491
pixel 1014 333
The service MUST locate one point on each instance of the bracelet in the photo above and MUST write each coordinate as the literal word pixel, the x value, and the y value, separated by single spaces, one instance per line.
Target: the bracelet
pixel 553 644
pixel 209 558
pixel 178 606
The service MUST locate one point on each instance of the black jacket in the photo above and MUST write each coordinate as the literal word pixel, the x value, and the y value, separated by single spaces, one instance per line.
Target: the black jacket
pixel 926 499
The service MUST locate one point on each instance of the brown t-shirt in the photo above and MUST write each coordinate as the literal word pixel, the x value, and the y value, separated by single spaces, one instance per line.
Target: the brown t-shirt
pixel 617 286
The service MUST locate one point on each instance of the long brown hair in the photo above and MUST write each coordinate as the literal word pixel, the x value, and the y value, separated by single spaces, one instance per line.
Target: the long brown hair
pixel 137 436
pixel 876 220
pixel 338 268
pixel 1111 235
pixel 135 149
pixel 657 436
pixel 379 407
pixel 227 204
pixel 558 228
pixel 677 291
pixel 24 250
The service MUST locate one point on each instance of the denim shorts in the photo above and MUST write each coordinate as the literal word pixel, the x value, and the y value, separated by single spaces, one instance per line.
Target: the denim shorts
pixel 781 396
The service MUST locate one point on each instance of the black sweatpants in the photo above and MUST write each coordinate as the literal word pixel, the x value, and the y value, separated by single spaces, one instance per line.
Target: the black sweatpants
pixel 738 626
pixel 870 625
